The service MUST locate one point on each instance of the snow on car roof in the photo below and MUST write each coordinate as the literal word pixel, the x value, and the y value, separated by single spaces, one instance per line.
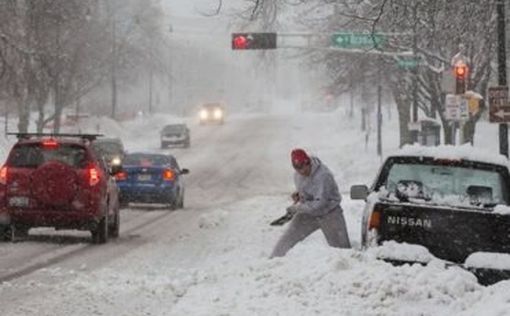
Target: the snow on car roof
pixel 466 152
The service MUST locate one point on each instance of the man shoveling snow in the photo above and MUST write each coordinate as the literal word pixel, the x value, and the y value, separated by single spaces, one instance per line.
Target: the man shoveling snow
pixel 316 206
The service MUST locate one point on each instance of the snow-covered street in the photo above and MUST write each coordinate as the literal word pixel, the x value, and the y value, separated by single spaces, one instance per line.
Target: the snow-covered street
pixel 211 258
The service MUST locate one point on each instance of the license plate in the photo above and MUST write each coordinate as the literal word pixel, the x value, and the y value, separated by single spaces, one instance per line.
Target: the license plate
pixel 144 177
pixel 18 201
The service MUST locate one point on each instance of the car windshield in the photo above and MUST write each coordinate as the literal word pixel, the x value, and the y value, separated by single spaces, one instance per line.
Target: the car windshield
pixel 34 155
pixel 447 184
pixel 146 160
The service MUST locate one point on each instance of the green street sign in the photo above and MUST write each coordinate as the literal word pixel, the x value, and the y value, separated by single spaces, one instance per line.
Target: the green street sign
pixel 357 40
pixel 408 63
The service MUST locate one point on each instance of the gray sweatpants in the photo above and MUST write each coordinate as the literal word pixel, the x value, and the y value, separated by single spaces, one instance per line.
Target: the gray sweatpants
pixel 302 225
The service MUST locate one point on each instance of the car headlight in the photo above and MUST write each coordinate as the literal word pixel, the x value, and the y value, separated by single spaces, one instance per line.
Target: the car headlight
pixel 116 161
pixel 203 114
pixel 218 114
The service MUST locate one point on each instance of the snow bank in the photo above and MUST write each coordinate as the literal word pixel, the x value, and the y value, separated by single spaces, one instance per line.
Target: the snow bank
pixel 467 152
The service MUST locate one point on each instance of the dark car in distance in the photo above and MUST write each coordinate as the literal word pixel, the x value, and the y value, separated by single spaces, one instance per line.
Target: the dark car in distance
pixel 175 134
pixel 57 180
pixel 151 178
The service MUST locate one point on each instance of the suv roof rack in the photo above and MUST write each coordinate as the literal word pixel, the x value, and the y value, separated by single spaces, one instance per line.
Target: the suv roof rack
pixel 89 137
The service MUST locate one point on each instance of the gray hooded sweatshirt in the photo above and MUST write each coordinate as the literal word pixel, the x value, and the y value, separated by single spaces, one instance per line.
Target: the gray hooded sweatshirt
pixel 318 192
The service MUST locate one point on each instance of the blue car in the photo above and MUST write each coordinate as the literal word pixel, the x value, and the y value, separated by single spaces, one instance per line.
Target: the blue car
pixel 151 178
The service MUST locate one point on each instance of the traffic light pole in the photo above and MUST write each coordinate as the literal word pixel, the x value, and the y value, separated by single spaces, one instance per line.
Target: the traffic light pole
pixel 503 127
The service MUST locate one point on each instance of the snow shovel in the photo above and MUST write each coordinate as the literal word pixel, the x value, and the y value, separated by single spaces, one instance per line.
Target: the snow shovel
pixel 282 220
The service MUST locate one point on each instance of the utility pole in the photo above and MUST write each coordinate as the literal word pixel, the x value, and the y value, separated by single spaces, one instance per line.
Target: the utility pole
pixel 379 112
pixel 114 69
pixel 379 120
pixel 170 68
pixel 414 133
pixel 351 89
pixel 503 127
pixel 150 87
pixel 6 123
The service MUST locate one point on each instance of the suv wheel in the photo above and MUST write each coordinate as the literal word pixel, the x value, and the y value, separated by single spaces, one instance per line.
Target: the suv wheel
pixel 21 231
pixel 114 229
pixel 7 233
pixel 13 233
pixel 180 204
pixel 100 233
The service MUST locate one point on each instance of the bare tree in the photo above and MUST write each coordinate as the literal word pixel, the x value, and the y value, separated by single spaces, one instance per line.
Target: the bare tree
pixel 430 29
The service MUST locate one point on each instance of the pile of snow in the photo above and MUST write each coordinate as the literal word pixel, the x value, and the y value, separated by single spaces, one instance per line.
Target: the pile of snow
pixel 488 260
pixel 402 251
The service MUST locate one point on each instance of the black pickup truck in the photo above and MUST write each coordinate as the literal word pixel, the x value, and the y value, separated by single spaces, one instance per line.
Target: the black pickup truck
pixel 454 201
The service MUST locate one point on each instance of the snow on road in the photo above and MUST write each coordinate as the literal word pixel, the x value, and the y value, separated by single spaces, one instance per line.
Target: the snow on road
pixel 211 258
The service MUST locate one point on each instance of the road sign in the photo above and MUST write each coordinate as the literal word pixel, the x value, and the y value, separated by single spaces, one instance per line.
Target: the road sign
pixel 357 40
pixel 499 109
pixel 473 105
pixel 414 126
pixel 452 107
pixel 408 62
pixel 464 109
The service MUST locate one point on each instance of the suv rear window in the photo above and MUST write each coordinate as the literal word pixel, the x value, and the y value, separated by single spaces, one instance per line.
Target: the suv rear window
pixel 34 155
pixel 146 160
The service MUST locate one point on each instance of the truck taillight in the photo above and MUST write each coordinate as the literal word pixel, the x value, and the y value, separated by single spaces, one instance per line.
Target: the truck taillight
pixel 374 222
pixel 93 173
pixel 168 175
pixel 3 175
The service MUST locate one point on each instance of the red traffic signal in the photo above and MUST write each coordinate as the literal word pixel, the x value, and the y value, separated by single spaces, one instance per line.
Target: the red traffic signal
pixel 239 42
pixel 460 71
pixel 253 41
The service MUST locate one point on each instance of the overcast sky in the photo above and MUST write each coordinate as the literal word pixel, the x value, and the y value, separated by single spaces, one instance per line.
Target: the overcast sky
pixel 194 8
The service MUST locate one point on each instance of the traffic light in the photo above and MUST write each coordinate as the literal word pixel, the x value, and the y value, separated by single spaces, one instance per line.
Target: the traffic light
pixel 253 41
pixel 461 71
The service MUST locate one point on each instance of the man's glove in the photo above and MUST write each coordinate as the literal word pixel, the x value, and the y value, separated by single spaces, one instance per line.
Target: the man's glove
pixel 295 197
pixel 293 209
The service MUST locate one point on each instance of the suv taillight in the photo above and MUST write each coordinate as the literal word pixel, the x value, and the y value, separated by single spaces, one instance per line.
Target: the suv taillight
pixel 3 175
pixel 93 174
pixel 168 175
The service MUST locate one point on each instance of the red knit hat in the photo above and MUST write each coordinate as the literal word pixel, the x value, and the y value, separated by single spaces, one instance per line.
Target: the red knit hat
pixel 299 157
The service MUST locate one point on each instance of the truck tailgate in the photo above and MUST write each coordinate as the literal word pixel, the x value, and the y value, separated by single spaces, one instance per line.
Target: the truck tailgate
pixel 449 234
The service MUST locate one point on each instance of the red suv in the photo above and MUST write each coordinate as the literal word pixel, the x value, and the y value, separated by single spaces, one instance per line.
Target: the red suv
pixel 57 180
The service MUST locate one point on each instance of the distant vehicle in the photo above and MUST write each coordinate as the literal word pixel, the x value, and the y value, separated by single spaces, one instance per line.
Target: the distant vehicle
pixel 112 149
pixel 212 113
pixel 175 134
pixel 58 181
pixel 452 201
pixel 151 178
